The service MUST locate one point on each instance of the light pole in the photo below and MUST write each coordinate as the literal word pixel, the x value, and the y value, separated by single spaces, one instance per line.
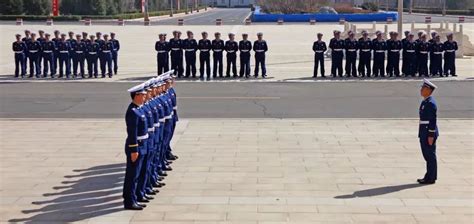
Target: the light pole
pixel 400 17
pixel 444 7
pixel 171 8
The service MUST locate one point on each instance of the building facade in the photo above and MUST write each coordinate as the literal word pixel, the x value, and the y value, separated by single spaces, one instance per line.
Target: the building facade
pixel 229 3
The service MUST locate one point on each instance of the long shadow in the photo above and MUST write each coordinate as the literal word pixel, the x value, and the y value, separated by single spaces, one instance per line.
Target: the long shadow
pixel 379 191
pixel 88 193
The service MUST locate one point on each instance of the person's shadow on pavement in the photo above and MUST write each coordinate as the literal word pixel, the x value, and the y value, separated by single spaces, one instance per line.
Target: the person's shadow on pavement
pixel 378 191
pixel 93 192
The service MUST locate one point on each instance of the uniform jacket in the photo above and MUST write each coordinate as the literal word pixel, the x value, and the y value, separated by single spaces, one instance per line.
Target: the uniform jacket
pixel 231 47
pixel 204 45
pixel 19 46
pixel 260 47
pixel 319 47
pixel 428 126
pixel 190 45
pixel 136 130
pixel 245 46
pixel 162 47
pixel 217 46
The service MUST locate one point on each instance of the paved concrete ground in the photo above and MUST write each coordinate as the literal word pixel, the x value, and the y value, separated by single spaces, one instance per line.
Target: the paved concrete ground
pixel 240 100
pixel 290 55
pixel 263 171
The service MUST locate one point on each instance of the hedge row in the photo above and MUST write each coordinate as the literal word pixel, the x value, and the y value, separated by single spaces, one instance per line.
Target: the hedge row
pixel 93 17
pixel 461 12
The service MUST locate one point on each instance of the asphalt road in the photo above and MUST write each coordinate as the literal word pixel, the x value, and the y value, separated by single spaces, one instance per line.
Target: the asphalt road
pixel 240 100
pixel 231 16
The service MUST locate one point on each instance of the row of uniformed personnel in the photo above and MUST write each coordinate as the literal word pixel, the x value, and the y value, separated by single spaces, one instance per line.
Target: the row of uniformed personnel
pixel 175 47
pixel 151 120
pixel 415 55
pixel 60 53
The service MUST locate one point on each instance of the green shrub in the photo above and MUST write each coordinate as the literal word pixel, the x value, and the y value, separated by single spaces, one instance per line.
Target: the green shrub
pixel 370 6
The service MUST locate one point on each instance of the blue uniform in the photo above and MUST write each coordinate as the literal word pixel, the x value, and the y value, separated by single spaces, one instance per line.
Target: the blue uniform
pixel 27 41
pixel 436 58
pixel 176 56
pixel 19 49
pixel 450 48
pixel 428 128
pixel 92 56
pixel 218 55
pixel 145 169
pixel 155 164
pixel 106 58
pixel 48 58
pixel 190 47
pixel 168 128
pixel 365 55
pixel 56 41
pixel 162 56
pixel 422 58
pixel 379 47
pixel 336 45
pixel 231 47
pixel 72 44
pixel 260 48
pixel 78 58
pixel 351 47
pixel 245 47
pixel 205 47
pixel 64 49
pixel 137 135
pixel 41 40
pixel 115 51
pixel 34 54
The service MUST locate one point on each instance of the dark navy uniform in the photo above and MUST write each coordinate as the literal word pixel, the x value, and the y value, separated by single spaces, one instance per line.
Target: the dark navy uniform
pixel 351 47
pixel 428 128
pixel 436 58
pixel 409 52
pixel 106 58
pixel 34 54
pixel 64 61
pixel 162 56
pixel 450 48
pixel 393 57
pixel 337 46
pixel 365 56
pixel 190 47
pixel 260 47
pixel 319 47
pixel 431 41
pixel 92 56
pixel 19 49
pixel 379 48
pixel 48 58
pixel 205 47
pixel 245 47
pixel 78 58
pixel 115 50
pixel 72 43
pixel 176 56
pixel 422 59
pixel 231 47
pixel 404 56
pixel 217 56
pixel 27 41
pixel 56 41
pixel 101 43
pixel 41 40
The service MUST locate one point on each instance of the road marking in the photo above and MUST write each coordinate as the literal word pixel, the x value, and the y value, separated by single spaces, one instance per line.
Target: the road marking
pixel 229 97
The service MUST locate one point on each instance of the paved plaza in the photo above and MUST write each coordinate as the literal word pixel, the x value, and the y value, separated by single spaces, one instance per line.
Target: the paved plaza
pixel 265 171
pixel 290 56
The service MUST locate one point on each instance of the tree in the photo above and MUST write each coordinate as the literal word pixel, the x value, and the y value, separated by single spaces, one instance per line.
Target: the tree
pixel 11 7
pixel 37 7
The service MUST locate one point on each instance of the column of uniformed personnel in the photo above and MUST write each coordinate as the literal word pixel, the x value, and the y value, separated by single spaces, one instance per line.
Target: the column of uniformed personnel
pixel 151 120
pixel 415 55
pixel 174 49
pixel 66 57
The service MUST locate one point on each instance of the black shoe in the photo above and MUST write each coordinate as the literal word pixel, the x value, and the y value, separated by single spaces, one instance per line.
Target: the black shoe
pixel 30 76
pixel 133 207
pixel 150 197
pixel 264 76
pixel 162 173
pixel 167 168
pixel 143 200
pixel 103 76
pixel 110 75
pixel 160 178
pixel 454 75
pixel 256 76
pixel 157 184
pixel 141 205
pixel 423 181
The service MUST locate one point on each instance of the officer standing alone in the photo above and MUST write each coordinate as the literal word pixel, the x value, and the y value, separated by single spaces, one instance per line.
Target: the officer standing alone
pixel 319 47
pixel 260 47
pixel 450 48
pixel 231 47
pixel 428 132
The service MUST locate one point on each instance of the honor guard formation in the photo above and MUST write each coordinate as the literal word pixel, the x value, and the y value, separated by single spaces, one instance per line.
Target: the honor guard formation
pixel 151 120
pixel 42 56
pixel 415 55
pixel 175 46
